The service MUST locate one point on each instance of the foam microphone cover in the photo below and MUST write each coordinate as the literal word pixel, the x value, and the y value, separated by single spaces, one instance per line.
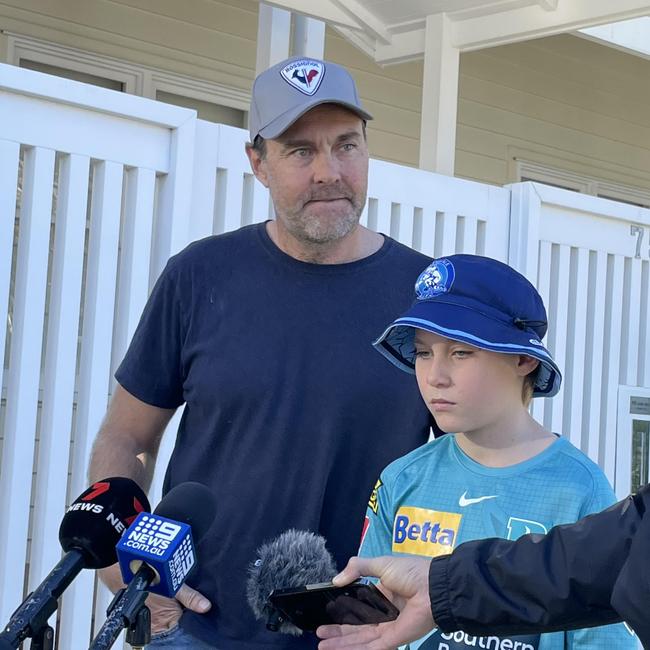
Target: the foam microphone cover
pixel 293 559
pixel 95 521
pixel 192 504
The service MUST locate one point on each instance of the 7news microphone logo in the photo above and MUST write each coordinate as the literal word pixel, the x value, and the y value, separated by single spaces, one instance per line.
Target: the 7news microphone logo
pixel 163 544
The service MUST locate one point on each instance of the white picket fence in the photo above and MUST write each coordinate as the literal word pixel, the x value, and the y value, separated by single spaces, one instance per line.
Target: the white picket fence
pixel 109 185
pixel 589 258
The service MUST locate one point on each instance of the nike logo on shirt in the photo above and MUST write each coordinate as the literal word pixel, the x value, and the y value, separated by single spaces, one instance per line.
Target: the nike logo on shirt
pixel 466 501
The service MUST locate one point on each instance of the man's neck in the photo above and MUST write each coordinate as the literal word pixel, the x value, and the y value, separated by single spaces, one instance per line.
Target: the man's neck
pixel 356 245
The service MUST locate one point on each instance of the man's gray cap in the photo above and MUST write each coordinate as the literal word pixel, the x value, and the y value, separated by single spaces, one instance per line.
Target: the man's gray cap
pixel 289 89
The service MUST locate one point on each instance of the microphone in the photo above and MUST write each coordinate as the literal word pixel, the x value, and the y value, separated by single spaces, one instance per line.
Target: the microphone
pixel 156 554
pixel 293 559
pixel 89 530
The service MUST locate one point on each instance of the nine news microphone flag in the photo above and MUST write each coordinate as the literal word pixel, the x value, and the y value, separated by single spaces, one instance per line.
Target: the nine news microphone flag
pixel 89 531
pixel 156 554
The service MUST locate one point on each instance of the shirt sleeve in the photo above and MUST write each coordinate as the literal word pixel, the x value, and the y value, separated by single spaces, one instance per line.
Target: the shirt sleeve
pixel 152 368
pixel 378 526
pixel 631 593
pixel 605 636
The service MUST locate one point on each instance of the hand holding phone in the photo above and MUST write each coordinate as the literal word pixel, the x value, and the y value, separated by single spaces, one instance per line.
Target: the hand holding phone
pixel 310 606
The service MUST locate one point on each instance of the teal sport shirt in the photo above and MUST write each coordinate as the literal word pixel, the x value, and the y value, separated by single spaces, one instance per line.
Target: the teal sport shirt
pixel 436 497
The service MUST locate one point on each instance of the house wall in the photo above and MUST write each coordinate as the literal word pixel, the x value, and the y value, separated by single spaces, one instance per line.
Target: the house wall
pixel 392 94
pixel 215 40
pixel 212 40
pixel 563 102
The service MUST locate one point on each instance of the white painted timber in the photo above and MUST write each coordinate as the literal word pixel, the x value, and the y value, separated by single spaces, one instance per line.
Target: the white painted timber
pixel 24 372
pixel 94 372
pixel 308 37
pixel 439 97
pixel 588 273
pixel 9 159
pixel 59 372
pixel 273 36
pixel 135 257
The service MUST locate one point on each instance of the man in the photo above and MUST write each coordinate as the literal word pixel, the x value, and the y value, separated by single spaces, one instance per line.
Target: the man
pixel 265 335
pixel 590 573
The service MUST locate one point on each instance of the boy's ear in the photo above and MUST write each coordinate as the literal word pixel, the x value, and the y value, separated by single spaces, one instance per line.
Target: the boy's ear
pixel 526 364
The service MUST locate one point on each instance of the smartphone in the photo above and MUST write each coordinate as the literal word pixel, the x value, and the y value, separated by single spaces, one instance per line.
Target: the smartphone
pixel 308 607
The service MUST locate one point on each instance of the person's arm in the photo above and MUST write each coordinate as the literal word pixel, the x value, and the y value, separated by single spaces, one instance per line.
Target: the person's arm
pixel 538 583
pixel 601 637
pixel 128 440
pixel 631 593
pixel 127 445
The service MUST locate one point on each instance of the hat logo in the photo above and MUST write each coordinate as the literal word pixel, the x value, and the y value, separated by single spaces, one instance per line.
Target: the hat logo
pixel 305 75
pixel 436 279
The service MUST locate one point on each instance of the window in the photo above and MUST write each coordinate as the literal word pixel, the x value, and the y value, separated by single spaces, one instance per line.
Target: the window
pixel 212 101
pixel 632 439
pixel 84 77
pixel 530 171
pixel 640 453
pixel 206 110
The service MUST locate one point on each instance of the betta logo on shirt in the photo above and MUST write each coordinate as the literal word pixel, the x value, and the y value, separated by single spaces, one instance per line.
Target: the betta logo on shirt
pixel 419 531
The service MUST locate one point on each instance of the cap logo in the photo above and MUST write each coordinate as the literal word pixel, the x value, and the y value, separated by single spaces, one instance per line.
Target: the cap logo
pixel 305 75
pixel 436 279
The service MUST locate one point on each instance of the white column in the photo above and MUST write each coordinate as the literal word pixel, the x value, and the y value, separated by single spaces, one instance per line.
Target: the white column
pixel 308 37
pixel 273 36
pixel 439 97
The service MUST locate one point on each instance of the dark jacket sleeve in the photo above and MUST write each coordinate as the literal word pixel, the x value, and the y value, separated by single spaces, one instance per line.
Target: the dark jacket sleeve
pixel 542 583
pixel 631 595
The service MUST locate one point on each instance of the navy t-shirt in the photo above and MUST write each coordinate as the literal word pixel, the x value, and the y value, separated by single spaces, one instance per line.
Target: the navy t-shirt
pixel 290 414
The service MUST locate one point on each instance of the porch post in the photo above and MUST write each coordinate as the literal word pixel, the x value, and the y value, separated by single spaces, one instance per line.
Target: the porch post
pixel 439 97
pixel 273 36
pixel 308 37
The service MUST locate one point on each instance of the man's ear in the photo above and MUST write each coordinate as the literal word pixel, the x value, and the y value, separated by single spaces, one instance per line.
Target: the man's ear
pixel 526 364
pixel 258 164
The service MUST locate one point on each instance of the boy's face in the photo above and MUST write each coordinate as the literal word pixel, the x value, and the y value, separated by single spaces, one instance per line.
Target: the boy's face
pixel 468 389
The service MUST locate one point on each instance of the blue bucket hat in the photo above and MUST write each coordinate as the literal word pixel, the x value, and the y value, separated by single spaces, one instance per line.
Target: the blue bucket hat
pixel 480 301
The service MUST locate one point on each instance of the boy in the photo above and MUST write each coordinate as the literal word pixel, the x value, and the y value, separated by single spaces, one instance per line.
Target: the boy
pixel 473 339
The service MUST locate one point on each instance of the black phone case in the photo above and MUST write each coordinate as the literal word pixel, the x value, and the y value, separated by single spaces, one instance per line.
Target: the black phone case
pixel 323 604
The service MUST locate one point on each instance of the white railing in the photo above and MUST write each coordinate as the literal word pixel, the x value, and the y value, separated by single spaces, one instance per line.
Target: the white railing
pixel 109 185
pixel 589 258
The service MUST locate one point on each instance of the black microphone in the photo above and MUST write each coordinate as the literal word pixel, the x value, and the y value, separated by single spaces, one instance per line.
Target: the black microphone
pixel 89 531
pixel 156 554
pixel 293 559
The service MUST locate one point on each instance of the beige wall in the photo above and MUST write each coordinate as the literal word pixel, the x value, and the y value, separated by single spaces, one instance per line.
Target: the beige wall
pixel 563 101
pixel 213 40
pixel 392 94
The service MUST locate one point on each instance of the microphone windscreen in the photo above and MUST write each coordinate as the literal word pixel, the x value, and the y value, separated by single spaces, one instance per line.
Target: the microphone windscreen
pixel 98 517
pixel 293 559
pixel 190 503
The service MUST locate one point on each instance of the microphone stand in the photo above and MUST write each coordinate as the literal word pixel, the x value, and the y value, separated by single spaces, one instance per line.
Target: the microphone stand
pixel 30 619
pixel 128 610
